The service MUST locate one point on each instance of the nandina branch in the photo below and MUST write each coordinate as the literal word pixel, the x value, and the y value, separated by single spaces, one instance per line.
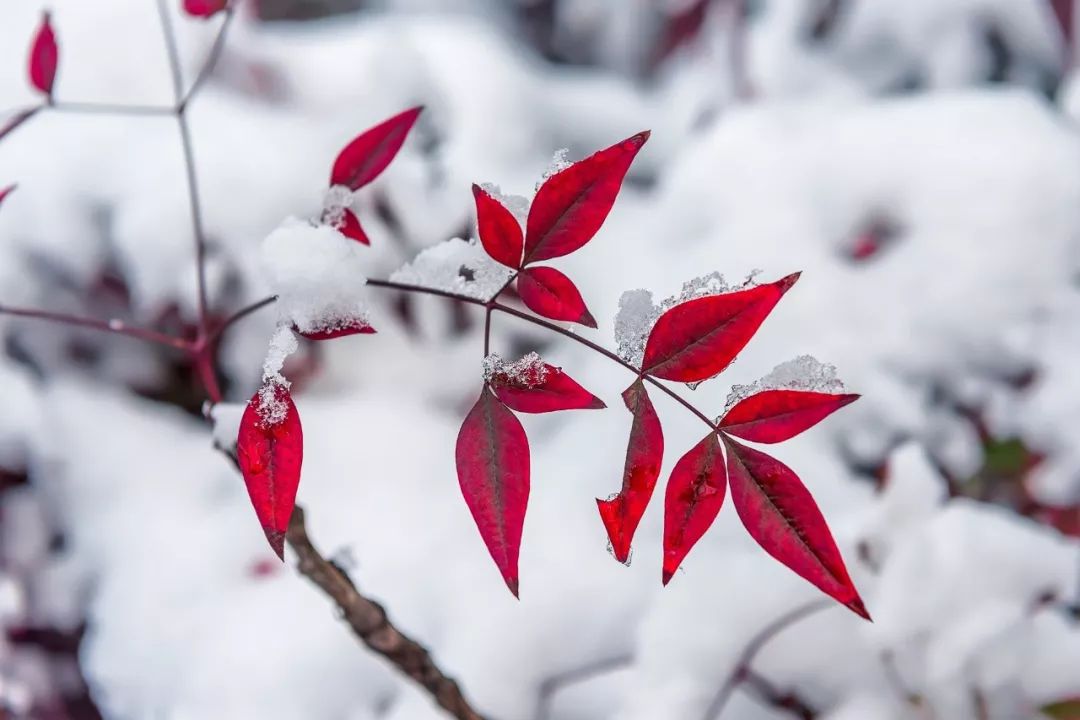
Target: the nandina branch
pixel 116 327
pixel 370 624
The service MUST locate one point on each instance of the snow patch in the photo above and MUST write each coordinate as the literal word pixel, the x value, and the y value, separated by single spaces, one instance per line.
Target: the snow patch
pixel 528 372
pixel 802 373
pixel 457 266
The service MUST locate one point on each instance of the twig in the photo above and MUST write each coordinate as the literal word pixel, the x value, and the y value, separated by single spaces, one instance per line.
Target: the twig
pixel 84 108
pixel 743 671
pixel 117 327
pixel 550 686
pixel 370 624
pixel 211 60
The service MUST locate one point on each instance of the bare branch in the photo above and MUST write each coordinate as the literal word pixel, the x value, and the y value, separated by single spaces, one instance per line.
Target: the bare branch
pixel 370 624
pixel 552 685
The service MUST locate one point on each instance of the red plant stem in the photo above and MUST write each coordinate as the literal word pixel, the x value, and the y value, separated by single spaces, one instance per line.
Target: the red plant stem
pixel 112 326
pixel 491 305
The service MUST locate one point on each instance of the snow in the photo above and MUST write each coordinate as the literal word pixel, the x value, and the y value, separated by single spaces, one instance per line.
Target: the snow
pixel 527 372
pixel 317 274
pixel 272 407
pixel 805 373
pixel 965 327
pixel 455 266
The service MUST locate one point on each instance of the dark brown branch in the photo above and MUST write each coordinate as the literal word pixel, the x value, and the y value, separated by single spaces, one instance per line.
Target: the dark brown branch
pixel 370 624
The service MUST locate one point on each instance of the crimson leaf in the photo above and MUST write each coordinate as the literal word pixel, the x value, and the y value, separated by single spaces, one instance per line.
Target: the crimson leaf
pixel 644 454
pixel 371 151
pixel 204 8
pixel 350 227
pixel 549 391
pixel 499 231
pixel 6 191
pixel 772 416
pixel 548 292
pixel 695 493
pixel 270 449
pixel 572 204
pixel 493 469
pixel 695 340
pixel 44 56
pixel 357 327
pixel 781 515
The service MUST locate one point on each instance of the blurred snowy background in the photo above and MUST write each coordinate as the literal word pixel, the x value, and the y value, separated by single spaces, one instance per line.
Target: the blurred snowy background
pixel 919 161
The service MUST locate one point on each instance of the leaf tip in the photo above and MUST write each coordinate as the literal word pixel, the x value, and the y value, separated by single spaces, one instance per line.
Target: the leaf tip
pixel 641 138
pixel 784 284
pixel 512 584
pixel 667 575
pixel 596 404
pixel 276 538
pixel 587 319
pixel 856 606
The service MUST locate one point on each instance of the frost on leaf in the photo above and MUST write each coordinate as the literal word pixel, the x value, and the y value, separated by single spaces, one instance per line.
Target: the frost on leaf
pixel 457 266
pixel 792 398
pixel 531 385
pixel 622 513
pixel 557 165
pixel 317 274
pixel 271 409
pixel 635 319
pixel 518 205
pixel 492 456
pixel 782 517
pixel 44 56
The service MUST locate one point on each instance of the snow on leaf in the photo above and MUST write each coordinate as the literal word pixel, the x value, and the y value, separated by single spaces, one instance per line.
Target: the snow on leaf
pixel 369 153
pixel 204 8
pixel 557 165
pixel 804 372
pixel 518 205
pixel 458 266
pixel 530 385
pixel 772 416
pixel 270 450
pixel 549 293
pixel 782 517
pixel 492 456
pixel 44 56
pixel 635 318
pixel 695 493
pixel 318 276
pixel 697 339
pixel 571 205
pixel 622 513
pixel 499 231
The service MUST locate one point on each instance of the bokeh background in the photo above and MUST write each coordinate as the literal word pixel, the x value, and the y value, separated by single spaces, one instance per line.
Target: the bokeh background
pixel 919 161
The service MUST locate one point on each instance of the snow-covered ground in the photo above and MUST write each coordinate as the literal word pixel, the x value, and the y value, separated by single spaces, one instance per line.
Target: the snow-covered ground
pixel 935 217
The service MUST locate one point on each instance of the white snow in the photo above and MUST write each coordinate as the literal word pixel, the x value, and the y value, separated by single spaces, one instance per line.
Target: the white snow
pixel 805 373
pixel 529 371
pixel 456 266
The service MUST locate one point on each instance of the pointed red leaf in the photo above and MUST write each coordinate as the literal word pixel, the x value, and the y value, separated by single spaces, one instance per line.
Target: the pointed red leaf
pixel 772 416
pixel 16 120
pixel 549 293
pixel 6 191
pixel 572 204
pixel 369 153
pixel 354 328
pixel 270 449
pixel 697 339
pixel 781 515
pixel 44 56
pixel 493 470
pixel 553 390
pixel 204 8
pixel 499 230
pixel 350 227
pixel 694 495
pixel 644 455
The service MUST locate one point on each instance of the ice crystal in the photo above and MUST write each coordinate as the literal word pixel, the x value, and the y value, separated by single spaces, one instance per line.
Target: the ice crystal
pixel 528 372
pixel 636 316
pixel 557 165
pixel 272 408
pixel 337 199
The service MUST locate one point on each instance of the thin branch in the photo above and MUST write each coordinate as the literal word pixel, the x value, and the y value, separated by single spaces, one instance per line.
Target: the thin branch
pixel 211 60
pixel 172 50
pixel 109 109
pixel 742 670
pixel 370 624
pixel 238 316
pixel 116 327
pixel 551 685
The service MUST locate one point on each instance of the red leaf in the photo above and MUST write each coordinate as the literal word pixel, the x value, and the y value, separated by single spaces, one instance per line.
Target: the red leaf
pixel 548 292
pixel 370 152
pixel 355 328
pixel 697 339
pixel 695 493
pixel 1063 13
pixel 6 191
pixel 204 8
pixel 555 391
pixel 572 204
pixel 44 56
pixel 781 515
pixel 270 449
pixel 773 416
pixel 493 470
pixel 499 231
pixel 644 454
pixel 351 228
